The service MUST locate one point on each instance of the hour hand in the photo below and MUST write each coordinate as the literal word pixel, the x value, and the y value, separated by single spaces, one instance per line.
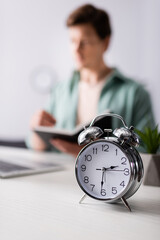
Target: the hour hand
pixel 111 167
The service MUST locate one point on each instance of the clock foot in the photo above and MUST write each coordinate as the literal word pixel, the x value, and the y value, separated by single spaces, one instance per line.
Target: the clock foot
pixel 126 203
pixel 84 196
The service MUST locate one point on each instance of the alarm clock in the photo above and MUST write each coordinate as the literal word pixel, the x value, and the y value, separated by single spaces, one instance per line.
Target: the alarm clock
pixel 109 169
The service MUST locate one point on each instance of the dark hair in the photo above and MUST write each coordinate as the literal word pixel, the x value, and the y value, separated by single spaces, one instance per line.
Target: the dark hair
pixel 87 13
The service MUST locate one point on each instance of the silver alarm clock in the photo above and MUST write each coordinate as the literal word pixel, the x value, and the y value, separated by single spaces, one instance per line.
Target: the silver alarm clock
pixel 109 169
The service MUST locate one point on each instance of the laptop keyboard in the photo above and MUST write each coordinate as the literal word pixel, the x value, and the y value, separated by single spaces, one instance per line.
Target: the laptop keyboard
pixel 8 167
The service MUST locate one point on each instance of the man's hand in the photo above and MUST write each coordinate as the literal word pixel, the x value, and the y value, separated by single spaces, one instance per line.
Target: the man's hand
pixel 40 118
pixel 66 147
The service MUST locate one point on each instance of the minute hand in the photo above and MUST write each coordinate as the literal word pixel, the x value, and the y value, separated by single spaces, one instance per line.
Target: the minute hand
pixel 102 181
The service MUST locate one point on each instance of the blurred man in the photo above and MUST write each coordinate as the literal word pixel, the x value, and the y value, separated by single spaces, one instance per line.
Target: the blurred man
pixel 94 87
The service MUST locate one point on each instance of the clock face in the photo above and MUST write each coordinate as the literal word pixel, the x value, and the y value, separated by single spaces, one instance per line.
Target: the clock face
pixel 103 170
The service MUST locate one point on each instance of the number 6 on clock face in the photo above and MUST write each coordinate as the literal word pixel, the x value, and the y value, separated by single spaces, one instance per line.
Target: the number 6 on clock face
pixel 104 170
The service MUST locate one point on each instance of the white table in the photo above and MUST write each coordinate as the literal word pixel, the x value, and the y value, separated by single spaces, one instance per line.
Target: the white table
pixel 45 207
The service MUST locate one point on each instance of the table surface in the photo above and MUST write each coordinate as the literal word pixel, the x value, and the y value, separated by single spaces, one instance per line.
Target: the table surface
pixel 46 206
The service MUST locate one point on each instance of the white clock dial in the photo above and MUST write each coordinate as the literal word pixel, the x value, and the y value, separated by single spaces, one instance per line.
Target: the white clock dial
pixel 103 170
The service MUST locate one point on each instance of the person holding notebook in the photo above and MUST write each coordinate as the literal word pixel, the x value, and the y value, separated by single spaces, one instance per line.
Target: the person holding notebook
pixel 94 87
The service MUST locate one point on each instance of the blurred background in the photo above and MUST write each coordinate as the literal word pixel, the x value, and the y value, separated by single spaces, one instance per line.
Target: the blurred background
pixel 34 52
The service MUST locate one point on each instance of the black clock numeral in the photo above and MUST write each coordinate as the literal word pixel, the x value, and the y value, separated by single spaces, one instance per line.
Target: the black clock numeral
pixel 122 184
pixel 124 160
pixel 83 168
pixel 114 190
pixel 95 150
pixel 92 185
pixel 103 192
pixel 88 157
pixel 105 148
pixel 126 171
pixel 86 179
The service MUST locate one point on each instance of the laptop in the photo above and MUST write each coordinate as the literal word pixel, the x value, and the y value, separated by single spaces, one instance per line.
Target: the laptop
pixel 21 163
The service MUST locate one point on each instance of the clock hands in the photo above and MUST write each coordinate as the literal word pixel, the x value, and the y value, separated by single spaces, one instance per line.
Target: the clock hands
pixel 106 169
pixel 104 175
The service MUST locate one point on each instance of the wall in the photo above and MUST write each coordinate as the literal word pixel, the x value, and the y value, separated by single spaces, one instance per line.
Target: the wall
pixel 34 36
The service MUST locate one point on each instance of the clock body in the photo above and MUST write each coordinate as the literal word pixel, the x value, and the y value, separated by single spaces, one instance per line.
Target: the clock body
pixel 107 170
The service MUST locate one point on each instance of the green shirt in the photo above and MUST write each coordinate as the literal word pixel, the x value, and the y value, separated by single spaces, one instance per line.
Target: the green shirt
pixel 120 95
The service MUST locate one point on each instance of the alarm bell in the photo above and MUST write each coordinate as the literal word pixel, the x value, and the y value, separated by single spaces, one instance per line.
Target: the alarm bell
pixel 127 135
pixel 90 133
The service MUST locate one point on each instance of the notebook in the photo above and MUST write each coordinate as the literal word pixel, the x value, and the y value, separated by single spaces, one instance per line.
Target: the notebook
pixel 47 133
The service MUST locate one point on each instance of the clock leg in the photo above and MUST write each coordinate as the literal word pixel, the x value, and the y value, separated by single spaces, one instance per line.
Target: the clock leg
pixel 81 200
pixel 126 203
